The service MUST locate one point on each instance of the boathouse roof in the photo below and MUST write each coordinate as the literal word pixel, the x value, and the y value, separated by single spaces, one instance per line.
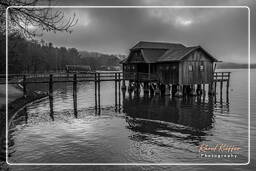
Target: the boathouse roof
pixel 155 52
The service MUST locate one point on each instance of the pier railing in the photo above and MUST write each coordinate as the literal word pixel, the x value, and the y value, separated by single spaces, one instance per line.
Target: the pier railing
pixel 221 76
pixel 139 76
pixel 90 76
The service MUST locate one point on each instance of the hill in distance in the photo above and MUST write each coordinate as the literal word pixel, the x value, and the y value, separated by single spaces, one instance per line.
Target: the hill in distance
pixel 232 65
pixel 98 60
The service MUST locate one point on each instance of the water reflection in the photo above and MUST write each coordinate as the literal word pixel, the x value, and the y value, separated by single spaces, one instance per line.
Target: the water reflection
pixel 185 111
pixel 182 119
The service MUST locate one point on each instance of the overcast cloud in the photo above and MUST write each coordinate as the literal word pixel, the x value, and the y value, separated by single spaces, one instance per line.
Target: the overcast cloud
pixel 221 31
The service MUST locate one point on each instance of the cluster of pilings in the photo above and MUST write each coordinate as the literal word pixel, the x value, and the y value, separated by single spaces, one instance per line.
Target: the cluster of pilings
pixel 176 90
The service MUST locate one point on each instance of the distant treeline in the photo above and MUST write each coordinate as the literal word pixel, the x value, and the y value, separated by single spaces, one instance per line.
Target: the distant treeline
pixel 31 56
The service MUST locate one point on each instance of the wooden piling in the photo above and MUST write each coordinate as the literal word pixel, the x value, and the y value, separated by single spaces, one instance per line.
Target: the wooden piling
pixel 95 89
pixel 75 94
pixel 99 91
pixel 179 91
pixel 115 91
pixel 199 89
pixel 50 85
pixel 227 88
pixel 174 89
pixel 24 86
pixel 221 85
pixel 119 91
pixel 210 89
pixel 215 87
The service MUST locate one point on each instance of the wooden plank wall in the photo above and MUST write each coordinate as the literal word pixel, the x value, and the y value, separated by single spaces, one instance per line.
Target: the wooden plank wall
pixel 168 72
pixel 136 57
pixel 196 76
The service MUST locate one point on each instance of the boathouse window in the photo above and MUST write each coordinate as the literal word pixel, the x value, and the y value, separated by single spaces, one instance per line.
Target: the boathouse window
pixel 201 68
pixel 173 67
pixel 167 67
pixel 133 67
pixel 190 68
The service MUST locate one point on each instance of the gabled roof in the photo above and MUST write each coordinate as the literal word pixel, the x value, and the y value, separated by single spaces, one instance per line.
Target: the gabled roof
pixel 176 54
pixel 156 45
pixel 152 55
pixel 154 52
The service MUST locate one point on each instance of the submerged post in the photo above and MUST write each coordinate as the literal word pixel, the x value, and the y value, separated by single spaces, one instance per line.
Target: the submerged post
pixel 228 79
pixel 221 84
pixel 75 94
pixel 99 91
pixel 50 85
pixel 95 89
pixel 199 90
pixel 24 86
pixel 119 90
pixel 123 83
pixel 115 91
pixel 179 91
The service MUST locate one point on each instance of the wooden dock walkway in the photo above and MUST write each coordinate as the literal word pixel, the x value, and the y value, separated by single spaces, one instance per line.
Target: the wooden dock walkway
pixel 97 77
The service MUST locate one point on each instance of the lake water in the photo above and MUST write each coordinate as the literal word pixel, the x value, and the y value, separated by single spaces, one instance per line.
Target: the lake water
pixel 144 129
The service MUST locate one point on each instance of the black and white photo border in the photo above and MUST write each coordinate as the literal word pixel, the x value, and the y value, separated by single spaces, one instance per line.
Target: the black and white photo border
pixel 140 7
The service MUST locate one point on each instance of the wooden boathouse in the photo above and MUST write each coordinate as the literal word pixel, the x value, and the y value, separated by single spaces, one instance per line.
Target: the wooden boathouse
pixel 160 66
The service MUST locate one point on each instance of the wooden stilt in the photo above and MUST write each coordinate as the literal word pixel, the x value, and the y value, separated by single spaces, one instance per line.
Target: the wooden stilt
pixel 99 93
pixel 95 88
pixel 199 90
pixel 24 87
pixel 179 91
pixel 167 90
pixel 115 91
pixel 75 94
pixel 119 92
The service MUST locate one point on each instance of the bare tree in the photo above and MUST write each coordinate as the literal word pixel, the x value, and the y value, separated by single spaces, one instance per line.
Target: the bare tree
pixel 21 19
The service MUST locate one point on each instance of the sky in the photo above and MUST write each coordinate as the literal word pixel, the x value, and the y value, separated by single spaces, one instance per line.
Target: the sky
pixel 223 32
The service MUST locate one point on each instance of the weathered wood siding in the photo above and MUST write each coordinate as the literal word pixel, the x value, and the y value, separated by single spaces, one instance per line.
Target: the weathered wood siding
pixel 136 57
pixel 196 76
pixel 168 73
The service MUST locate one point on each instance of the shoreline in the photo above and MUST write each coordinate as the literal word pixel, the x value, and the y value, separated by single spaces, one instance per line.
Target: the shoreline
pixel 13 107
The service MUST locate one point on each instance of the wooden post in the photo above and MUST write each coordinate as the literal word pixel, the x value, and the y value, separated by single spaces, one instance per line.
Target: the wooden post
pixel 204 89
pixel 210 90
pixel 146 88
pixel 179 91
pixel 174 89
pixel 119 90
pixel 199 89
pixel 50 85
pixel 123 83
pixel 167 90
pixel 149 72
pixel 24 86
pixel 99 91
pixel 228 83
pixel 75 94
pixel 193 90
pixel 130 88
pixel 215 87
pixel 151 89
pixel 115 91
pixel 95 88
pixel 221 84
pixel 51 108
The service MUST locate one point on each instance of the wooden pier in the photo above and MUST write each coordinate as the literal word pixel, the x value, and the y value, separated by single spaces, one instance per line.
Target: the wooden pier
pixel 148 84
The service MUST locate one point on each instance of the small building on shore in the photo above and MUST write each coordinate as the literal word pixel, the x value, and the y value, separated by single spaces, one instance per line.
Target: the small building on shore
pixel 169 63
pixel 78 68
